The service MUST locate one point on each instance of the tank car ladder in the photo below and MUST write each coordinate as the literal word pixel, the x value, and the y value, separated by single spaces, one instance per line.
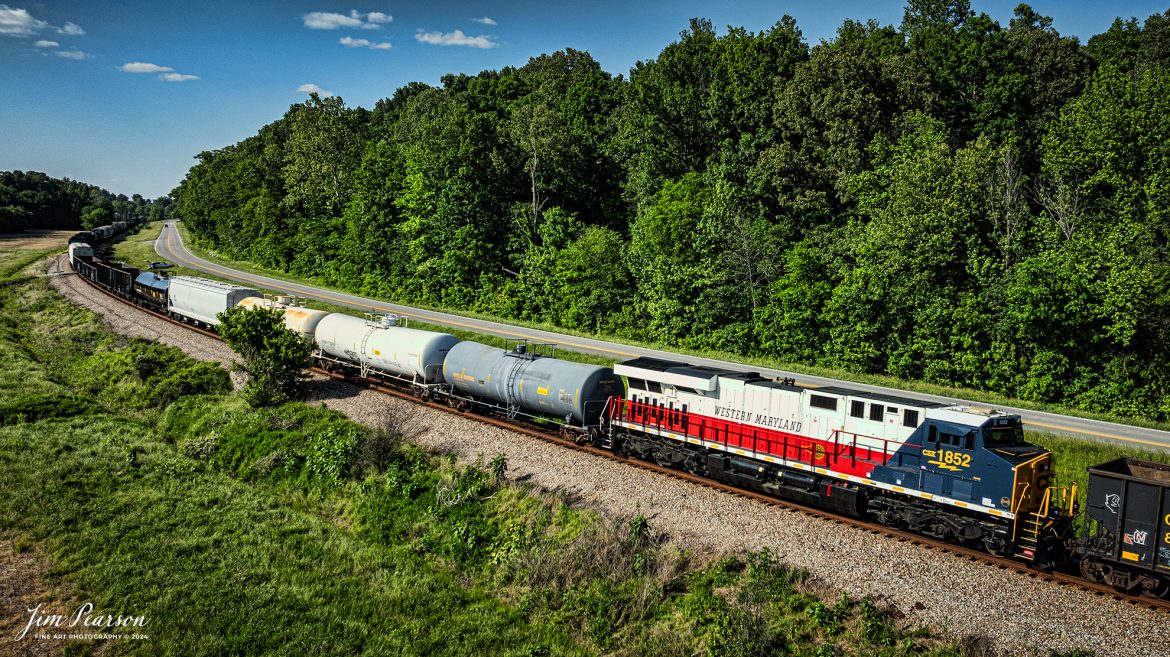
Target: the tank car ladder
pixel 513 404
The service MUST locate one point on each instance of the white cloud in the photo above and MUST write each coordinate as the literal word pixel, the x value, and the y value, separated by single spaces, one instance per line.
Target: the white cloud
pixel 71 54
pixel 325 20
pixel 18 22
pixel 483 21
pixel 71 28
pixel 456 38
pixel 363 43
pixel 328 20
pixel 177 77
pixel 44 43
pixel 143 67
pixel 311 88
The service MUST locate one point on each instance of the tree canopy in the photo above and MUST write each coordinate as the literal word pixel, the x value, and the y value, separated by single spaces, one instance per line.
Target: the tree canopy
pixel 30 199
pixel 950 199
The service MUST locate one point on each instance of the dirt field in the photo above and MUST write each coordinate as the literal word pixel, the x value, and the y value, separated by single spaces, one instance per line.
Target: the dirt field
pixel 34 239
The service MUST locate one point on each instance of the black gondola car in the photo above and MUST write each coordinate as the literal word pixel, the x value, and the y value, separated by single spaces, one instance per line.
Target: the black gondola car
pixel 1127 527
pixel 117 278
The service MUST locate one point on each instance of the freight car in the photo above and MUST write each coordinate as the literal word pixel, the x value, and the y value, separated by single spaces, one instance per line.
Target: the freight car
pixel 519 381
pixel 376 345
pixel 298 319
pixel 150 289
pixel 199 300
pixel 1126 541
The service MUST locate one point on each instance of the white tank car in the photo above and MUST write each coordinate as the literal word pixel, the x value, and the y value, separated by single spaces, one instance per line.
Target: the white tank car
pixel 382 346
pixel 296 318
pixel 201 299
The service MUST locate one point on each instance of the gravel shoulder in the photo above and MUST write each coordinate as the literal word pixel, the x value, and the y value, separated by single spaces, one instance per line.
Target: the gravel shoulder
pixel 1021 615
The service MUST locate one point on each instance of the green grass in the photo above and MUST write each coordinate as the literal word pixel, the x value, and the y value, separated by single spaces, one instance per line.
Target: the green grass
pixel 969 394
pixel 294 531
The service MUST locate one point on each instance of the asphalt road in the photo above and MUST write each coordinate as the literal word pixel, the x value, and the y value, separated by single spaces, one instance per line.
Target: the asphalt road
pixel 170 247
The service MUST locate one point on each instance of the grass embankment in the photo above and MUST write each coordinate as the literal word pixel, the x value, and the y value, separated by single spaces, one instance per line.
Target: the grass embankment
pixel 970 394
pixel 154 492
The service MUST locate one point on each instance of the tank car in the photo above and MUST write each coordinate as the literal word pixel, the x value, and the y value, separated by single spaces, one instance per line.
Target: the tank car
pixel 377 345
pixel 521 381
pixel 199 299
pixel 296 318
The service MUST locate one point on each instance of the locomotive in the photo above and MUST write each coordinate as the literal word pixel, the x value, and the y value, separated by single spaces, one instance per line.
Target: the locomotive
pixel 953 472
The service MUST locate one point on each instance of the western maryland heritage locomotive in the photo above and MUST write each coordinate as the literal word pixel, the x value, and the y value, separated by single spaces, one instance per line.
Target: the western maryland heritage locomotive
pixel 952 472
pixel 955 472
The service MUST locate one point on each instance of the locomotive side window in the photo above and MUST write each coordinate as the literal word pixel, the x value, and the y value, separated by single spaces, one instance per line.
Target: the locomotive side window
pixel 969 440
pixel 857 408
pixel 654 386
pixel 877 412
pixel 637 384
pixel 821 401
pixel 934 434
pixel 909 418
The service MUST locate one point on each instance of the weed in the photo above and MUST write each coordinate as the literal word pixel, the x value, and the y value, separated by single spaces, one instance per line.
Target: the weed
pixel 499 467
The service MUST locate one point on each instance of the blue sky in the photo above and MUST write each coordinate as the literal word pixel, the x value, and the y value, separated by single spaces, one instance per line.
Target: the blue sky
pixel 125 94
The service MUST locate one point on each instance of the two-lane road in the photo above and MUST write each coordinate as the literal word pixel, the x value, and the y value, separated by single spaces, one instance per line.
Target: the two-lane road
pixel 170 246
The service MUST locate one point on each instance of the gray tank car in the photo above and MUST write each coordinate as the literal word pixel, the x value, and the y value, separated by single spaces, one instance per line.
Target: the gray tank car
pixel 381 346
pixel 536 385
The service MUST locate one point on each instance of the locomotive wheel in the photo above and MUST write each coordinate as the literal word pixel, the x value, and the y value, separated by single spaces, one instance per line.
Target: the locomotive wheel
pixel 996 546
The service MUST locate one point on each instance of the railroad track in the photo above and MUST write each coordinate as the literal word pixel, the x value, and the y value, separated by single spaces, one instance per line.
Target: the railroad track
pixel 544 434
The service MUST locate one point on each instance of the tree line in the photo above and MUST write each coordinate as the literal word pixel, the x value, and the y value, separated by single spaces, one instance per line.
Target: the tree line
pixel 949 200
pixel 31 199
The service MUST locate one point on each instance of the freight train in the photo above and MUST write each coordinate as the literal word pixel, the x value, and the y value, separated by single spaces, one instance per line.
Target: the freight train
pixel 954 472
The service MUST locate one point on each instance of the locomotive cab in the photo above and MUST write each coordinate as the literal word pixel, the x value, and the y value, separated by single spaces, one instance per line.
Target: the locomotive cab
pixel 1041 513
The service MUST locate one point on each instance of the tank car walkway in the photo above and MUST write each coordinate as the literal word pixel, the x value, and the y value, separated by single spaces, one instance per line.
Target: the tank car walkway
pixel 170 246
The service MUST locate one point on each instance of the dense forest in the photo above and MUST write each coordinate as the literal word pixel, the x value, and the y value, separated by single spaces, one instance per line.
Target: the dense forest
pixel 34 200
pixel 949 200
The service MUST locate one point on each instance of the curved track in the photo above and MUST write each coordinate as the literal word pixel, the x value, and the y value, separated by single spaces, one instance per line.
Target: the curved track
pixel 170 246
pixel 873 528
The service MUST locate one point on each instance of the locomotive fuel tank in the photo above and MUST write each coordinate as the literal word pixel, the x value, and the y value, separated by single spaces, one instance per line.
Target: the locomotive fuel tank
pixel 202 299
pixel 383 346
pixel 539 385
pixel 296 318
